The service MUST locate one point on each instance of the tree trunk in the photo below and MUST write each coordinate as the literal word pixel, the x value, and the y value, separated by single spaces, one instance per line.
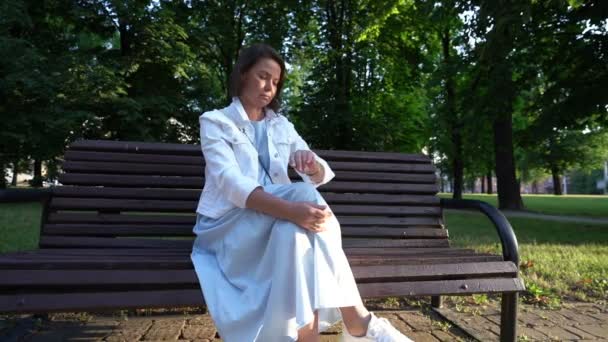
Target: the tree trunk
pixel 125 37
pixel 16 171
pixel 339 23
pixel 483 184
pixel 535 187
pixel 509 196
pixel 37 180
pixel 501 92
pixel 557 181
pixel 490 187
pixel 454 123
pixel 3 182
pixel 457 166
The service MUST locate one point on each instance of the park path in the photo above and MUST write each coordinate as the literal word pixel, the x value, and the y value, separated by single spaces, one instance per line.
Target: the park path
pixel 549 217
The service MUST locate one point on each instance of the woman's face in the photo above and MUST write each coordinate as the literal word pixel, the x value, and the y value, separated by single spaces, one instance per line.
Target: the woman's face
pixel 260 83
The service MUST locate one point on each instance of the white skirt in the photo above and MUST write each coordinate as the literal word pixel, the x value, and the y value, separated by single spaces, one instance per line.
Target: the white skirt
pixel 262 278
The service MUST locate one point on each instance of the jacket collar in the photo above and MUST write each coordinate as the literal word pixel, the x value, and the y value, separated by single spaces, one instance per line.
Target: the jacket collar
pixel 238 114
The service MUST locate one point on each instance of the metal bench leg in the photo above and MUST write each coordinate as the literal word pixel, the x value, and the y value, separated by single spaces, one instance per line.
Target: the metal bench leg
pixel 436 301
pixel 508 317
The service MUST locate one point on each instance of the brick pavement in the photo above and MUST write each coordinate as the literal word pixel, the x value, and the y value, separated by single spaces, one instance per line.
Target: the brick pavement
pixel 573 322
pixel 413 322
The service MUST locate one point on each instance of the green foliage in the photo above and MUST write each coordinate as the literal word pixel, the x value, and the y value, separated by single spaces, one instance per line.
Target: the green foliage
pixel 537 295
pixel 397 75
pixel 585 182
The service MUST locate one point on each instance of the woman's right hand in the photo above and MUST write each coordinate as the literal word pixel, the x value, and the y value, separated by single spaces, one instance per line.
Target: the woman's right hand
pixel 309 215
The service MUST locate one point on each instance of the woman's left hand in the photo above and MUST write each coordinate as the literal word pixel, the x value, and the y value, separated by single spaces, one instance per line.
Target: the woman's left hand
pixel 304 161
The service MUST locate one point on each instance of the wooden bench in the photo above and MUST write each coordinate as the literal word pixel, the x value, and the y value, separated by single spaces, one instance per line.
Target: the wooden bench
pixel 118 233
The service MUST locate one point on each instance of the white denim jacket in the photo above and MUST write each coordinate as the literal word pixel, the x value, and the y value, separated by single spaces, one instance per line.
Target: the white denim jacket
pixel 231 160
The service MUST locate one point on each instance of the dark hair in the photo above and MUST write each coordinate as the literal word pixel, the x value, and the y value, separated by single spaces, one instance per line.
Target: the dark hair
pixel 248 57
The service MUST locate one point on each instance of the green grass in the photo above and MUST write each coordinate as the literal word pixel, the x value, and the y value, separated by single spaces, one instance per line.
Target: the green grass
pixel 560 259
pixel 574 205
pixel 19 226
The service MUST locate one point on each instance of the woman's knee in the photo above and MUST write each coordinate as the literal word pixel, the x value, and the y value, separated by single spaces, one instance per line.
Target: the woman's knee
pixel 292 234
pixel 302 191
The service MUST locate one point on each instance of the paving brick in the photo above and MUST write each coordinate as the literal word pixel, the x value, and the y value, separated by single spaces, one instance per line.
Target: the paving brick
pixel 422 336
pixel 531 333
pixel 583 334
pixel 398 322
pixel 494 328
pixel 165 330
pixel 198 332
pixel 444 336
pixel 579 317
pixel 554 317
pixel 417 320
pixel 600 316
pixel 493 318
pixel 558 333
pixel 596 330
pixel 136 326
pixel 532 319
pixel 475 325
pixel 201 320
pixel 129 330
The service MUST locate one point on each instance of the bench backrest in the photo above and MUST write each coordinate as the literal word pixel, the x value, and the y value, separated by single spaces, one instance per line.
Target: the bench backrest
pixel 144 195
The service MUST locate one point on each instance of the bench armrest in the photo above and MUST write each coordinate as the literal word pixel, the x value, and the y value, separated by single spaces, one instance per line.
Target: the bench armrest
pixel 503 227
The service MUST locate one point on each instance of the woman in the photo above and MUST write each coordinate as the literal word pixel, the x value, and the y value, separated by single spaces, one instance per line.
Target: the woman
pixel 268 252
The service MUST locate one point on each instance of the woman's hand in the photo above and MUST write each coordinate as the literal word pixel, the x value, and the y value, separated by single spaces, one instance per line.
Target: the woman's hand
pixel 304 161
pixel 310 215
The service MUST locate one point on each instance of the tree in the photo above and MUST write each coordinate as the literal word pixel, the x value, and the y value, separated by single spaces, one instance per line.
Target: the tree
pixel 565 108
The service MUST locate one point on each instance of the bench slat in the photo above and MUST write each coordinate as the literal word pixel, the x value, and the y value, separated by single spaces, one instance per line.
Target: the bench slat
pixel 72 155
pixel 64 217
pixel 153 160
pixel 386 243
pixel 131 168
pixel 182 261
pixel 363 274
pixel 193 195
pixel 444 287
pixel 399 260
pixel 107 252
pixel 186 230
pixel 81 241
pixel 87 301
pixel 182 149
pixel 134 262
pixel 75 203
pixel 197 183
pixel 155 256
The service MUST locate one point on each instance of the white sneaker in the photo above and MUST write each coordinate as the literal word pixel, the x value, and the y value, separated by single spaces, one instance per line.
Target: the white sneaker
pixel 378 330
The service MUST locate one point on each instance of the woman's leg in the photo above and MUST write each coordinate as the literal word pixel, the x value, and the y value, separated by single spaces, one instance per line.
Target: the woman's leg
pixel 356 319
pixel 310 332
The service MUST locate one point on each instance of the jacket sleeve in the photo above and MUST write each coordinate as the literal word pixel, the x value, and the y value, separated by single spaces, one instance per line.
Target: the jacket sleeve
pixel 222 164
pixel 300 144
